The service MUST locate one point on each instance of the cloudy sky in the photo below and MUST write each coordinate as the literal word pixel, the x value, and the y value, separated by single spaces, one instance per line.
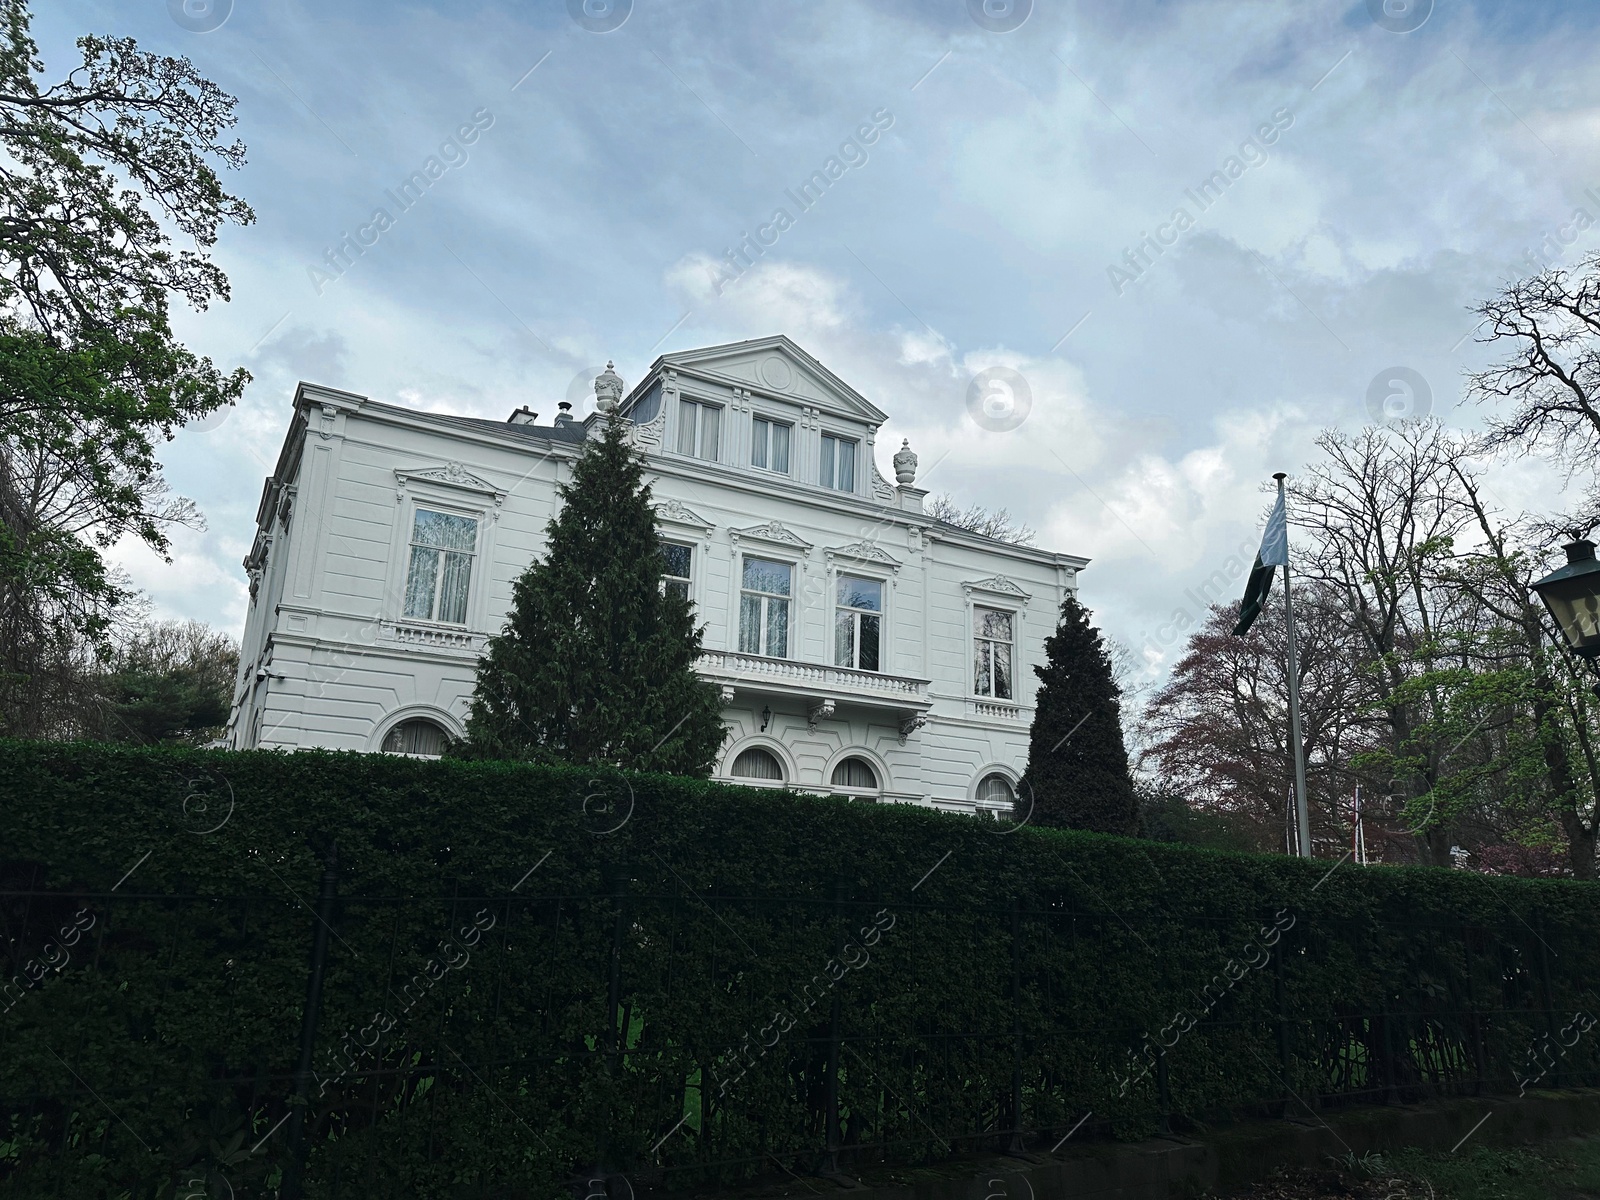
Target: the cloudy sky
pixel 1388 162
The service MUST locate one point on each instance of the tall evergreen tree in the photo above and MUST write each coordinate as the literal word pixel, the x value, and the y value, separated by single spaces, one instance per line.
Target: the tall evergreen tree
pixel 596 663
pixel 1077 764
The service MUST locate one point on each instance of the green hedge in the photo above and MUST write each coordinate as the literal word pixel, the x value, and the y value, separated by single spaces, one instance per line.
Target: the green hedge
pixel 562 969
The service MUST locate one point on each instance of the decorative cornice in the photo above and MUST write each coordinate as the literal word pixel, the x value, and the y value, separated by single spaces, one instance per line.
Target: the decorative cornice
pixel 998 585
pixel 674 511
pixel 868 552
pixel 452 475
pixel 774 533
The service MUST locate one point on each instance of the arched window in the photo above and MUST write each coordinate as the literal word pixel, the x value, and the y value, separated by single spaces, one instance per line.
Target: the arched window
pixel 416 736
pixel 996 790
pixel 756 763
pixel 855 773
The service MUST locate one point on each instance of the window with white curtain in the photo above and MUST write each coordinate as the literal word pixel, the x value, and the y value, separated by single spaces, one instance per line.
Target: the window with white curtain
pixel 699 429
pixel 855 773
pixel 996 789
pixel 769 445
pixel 418 736
pixel 838 469
pixel 440 571
pixel 756 763
pixel 765 588
pixel 991 653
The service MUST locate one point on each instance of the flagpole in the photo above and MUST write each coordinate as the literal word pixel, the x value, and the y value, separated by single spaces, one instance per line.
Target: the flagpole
pixel 1302 818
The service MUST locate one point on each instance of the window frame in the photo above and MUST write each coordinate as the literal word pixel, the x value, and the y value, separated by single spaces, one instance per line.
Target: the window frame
pixel 697 437
pixel 414 719
pixel 785 767
pixel 976 640
pixel 765 619
pixel 831 462
pixel 686 580
pixel 470 499
pixel 882 613
pixel 845 791
pixel 765 443
pixel 410 545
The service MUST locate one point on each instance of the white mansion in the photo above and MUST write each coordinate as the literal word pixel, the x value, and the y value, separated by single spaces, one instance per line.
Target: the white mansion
pixel 862 647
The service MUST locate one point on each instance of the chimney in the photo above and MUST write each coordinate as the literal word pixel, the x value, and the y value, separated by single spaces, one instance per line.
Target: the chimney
pixel 523 416
pixel 565 415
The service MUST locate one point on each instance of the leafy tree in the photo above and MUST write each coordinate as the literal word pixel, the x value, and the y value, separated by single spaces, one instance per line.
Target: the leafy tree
pixel 172 683
pixel 1218 729
pixel 596 662
pixel 1380 512
pixel 95 169
pixel 1165 816
pixel 1077 763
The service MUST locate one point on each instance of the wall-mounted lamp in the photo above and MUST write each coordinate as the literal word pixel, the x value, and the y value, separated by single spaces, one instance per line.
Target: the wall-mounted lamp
pixel 766 718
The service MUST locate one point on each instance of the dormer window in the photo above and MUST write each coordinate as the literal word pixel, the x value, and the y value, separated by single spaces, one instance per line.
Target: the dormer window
pixel 699 429
pixel 838 463
pixel 769 445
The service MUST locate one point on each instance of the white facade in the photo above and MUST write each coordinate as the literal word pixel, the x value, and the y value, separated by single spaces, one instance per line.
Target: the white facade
pixel 880 673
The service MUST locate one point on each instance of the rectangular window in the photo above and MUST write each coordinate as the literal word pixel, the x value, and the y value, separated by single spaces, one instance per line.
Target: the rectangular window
pixel 764 607
pixel 991 653
pixel 769 446
pixel 676 579
pixel 838 463
pixel 858 623
pixel 699 429
pixel 440 570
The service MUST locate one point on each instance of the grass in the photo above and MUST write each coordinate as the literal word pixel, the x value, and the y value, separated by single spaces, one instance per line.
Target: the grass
pixel 1567 1170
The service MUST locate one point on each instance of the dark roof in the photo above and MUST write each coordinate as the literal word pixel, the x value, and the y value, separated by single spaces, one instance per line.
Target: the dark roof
pixel 570 432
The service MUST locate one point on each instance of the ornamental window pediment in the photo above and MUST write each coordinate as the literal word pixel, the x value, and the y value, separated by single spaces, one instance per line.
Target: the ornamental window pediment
pixel 773 533
pixel 450 475
pixel 996 585
pixel 864 552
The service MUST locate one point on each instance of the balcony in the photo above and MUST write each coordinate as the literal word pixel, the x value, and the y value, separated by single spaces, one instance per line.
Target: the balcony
pixel 820 685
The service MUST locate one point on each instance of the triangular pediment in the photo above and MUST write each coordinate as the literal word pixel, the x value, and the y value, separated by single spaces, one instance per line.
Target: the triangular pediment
pixel 775 366
pixel 447 474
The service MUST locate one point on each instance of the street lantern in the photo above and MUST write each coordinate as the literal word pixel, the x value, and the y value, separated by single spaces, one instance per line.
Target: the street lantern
pixel 1572 594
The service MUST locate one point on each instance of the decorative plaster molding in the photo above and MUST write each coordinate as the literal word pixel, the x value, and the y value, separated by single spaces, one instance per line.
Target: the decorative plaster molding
pixel 654 431
pixel 452 475
pixel 819 710
pixel 726 694
pixel 910 724
pixel 675 512
pixel 998 585
pixel 869 552
pixel 774 533
pixel 882 489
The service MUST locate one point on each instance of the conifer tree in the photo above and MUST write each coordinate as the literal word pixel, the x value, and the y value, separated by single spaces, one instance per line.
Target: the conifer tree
pixel 595 663
pixel 1078 773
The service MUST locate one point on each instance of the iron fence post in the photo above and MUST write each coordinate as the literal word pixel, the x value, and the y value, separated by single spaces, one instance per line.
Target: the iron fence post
pixel 832 1139
pixel 1281 1000
pixel 299 1099
pixel 1015 1144
pixel 1163 1091
pixel 1549 992
pixel 614 1043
